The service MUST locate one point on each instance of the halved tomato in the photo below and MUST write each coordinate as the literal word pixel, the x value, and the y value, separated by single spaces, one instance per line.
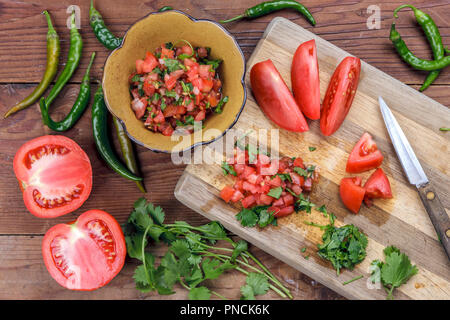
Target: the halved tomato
pixel 85 254
pixel 55 175
pixel 352 194
pixel 275 99
pixel 364 156
pixel 305 79
pixel 339 96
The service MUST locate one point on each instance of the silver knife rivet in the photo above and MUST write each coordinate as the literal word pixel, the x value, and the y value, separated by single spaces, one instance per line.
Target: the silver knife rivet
pixel 430 195
pixel 447 233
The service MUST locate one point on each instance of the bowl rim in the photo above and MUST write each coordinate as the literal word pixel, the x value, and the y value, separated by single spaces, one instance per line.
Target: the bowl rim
pixel 200 143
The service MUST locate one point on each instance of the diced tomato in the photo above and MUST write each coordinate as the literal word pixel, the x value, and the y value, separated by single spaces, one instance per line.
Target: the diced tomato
pixel 248 170
pixel 298 162
pixel 227 193
pixel 139 106
pixel 239 168
pixel 248 201
pixel 150 63
pixel 186 50
pixel 249 187
pixel 166 129
pixel 281 212
pixel 364 156
pixel 149 88
pixel 139 66
pixel 204 71
pixel 265 199
pixel 200 116
pixel 237 196
pixel 275 182
pixel 288 199
pixel 278 202
pixel 352 194
pixel 307 186
pixel 207 85
pixel 296 178
pixel 167 53
pixel 252 178
pixel 296 189
pixel 159 118
pixel 170 80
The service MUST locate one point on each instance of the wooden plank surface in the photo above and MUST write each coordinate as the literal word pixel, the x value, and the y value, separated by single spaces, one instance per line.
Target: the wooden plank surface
pixel 22 61
pixel 401 221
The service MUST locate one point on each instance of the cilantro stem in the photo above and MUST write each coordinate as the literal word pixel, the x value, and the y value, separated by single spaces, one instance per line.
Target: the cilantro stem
pixel 354 279
pixel 144 238
pixel 223 258
pixel 219 295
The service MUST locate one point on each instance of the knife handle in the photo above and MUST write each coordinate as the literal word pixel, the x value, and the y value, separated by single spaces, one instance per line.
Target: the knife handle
pixel 437 213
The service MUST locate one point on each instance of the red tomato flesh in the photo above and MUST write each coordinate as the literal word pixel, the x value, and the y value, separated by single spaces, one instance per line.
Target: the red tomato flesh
pixel 305 79
pixel 339 96
pixel 274 97
pixel 352 194
pixel 55 175
pixel 86 254
pixel 364 156
pixel 378 186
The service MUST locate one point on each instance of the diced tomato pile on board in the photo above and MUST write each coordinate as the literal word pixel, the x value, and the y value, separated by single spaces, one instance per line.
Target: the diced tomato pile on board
pixel 266 182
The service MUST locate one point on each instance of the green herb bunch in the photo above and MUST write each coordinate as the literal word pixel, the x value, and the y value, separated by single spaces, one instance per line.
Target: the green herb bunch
pixel 193 256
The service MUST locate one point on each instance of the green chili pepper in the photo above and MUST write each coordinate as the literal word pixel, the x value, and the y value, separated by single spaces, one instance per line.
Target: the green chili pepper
pixel 127 151
pixel 106 37
pixel 272 6
pixel 433 36
pixel 77 109
pixel 100 131
pixel 73 59
pixel 165 8
pixel 53 50
pixel 411 59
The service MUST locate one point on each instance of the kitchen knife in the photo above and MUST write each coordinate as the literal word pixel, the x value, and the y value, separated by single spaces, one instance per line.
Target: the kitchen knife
pixel 417 177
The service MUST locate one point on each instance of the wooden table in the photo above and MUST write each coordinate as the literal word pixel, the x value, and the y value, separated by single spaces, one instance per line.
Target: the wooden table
pixel 22 62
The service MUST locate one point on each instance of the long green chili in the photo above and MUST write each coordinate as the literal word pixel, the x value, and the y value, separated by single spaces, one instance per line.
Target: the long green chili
pixel 128 153
pixel 411 59
pixel 73 59
pixel 433 36
pixel 78 107
pixel 103 34
pixel 272 6
pixel 100 132
pixel 53 50
pixel 165 8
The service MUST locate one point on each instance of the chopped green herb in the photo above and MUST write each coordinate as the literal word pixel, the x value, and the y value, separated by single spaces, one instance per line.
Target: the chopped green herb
pixel 259 215
pixel 219 106
pixel 283 176
pixel 189 120
pixel 303 204
pixel 303 249
pixel 171 94
pixel 444 129
pixel 312 149
pixel 136 78
pixel 169 45
pixel 163 104
pixel 275 193
pixel 173 65
pixel 227 169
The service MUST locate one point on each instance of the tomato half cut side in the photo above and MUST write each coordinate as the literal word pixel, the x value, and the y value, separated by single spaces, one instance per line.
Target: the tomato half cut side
pixel 352 194
pixel 55 175
pixel 339 96
pixel 364 156
pixel 305 79
pixel 378 186
pixel 86 254
pixel 275 99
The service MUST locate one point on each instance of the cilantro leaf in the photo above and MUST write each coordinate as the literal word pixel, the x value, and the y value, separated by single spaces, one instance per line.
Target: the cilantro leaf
pixel 257 284
pixel 247 293
pixel 396 270
pixel 247 217
pixel 275 192
pixel 239 247
pixel 213 268
pixel 199 293
pixel 227 169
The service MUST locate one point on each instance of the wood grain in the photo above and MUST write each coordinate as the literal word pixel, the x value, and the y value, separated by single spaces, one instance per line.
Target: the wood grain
pixel 401 221
pixel 22 63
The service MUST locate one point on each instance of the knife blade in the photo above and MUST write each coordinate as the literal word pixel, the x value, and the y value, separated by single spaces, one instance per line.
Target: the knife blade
pixel 417 176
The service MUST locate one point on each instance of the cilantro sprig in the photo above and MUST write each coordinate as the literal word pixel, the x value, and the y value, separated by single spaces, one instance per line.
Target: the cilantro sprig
pixel 395 271
pixel 193 256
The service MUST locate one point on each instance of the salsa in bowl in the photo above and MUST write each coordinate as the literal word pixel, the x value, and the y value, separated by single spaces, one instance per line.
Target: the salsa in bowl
pixel 176 86
pixel 147 37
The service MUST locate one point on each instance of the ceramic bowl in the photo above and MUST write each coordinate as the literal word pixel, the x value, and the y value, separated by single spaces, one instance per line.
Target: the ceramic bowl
pixel 146 35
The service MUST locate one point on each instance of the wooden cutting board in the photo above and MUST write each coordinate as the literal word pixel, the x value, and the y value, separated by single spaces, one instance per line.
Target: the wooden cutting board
pixel 401 221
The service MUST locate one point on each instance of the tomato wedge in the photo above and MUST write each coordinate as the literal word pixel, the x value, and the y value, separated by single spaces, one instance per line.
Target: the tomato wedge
pixel 339 96
pixel 352 194
pixel 55 175
pixel 305 79
pixel 364 156
pixel 86 254
pixel 378 186
pixel 274 97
